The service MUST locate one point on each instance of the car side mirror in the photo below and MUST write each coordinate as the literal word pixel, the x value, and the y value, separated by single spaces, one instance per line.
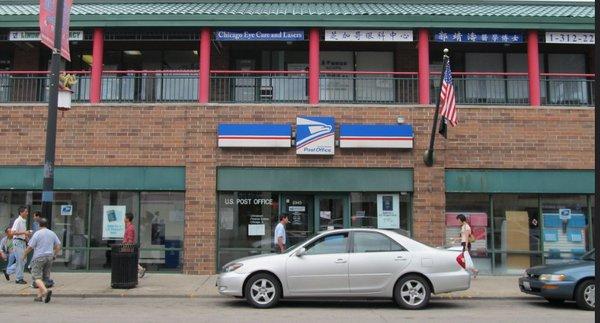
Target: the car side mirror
pixel 301 252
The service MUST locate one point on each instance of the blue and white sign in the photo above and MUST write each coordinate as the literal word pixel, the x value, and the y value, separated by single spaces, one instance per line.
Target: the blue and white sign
pixel 66 210
pixel 255 135
pixel 564 214
pixel 376 136
pixel 462 36
pixel 259 35
pixel 315 135
pixel 113 222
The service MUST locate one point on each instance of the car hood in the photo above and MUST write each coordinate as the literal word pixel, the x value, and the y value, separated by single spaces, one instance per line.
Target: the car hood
pixel 264 255
pixel 550 269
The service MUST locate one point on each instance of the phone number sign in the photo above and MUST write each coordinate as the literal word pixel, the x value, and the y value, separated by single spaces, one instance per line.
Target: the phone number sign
pixel 560 37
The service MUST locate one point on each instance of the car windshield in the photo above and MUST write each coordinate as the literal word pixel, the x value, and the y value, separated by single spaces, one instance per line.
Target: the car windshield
pixel 589 256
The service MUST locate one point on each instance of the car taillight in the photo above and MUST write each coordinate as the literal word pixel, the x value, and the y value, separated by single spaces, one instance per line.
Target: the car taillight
pixel 461 260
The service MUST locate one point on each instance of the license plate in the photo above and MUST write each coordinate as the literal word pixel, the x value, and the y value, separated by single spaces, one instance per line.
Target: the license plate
pixel 527 285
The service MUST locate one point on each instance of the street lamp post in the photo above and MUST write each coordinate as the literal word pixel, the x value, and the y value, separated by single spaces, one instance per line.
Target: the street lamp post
pixel 48 185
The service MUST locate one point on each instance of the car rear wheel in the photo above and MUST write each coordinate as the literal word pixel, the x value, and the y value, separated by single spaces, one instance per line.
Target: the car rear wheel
pixel 412 292
pixel 555 301
pixel 262 291
pixel 586 295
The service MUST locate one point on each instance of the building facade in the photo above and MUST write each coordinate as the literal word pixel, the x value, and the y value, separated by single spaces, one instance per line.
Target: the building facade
pixel 209 120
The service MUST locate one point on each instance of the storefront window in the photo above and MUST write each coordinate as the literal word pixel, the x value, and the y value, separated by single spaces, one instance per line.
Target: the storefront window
pixel 10 201
pixel 70 223
pixel 380 210
pixel 161 227
pixel 516 232
pixel 475 207
pixel 100 257
pixel 246 221
pixel 565 227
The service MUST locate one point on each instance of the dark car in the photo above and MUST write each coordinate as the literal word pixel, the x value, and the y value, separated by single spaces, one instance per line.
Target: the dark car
pixel 572 281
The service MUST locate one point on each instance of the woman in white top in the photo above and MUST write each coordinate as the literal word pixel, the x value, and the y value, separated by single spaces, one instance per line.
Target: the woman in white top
pixel 465 234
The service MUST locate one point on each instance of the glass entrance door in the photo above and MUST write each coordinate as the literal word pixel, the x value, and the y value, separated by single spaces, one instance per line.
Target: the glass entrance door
pixel 300 210
pixel 331 212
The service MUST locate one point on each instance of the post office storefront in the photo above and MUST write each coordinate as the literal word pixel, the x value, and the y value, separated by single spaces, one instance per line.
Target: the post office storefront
pixel 250 201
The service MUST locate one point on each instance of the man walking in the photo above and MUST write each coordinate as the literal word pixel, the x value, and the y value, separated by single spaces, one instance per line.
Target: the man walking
pixel 20 234
pixel 45 245
pixel 129 238
pixel 37 215
pixel 279 236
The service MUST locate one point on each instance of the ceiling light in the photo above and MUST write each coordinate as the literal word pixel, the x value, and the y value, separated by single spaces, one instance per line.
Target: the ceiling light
pixel 133 52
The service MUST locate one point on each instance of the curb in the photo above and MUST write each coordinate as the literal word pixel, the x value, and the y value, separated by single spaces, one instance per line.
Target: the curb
pixel 74 295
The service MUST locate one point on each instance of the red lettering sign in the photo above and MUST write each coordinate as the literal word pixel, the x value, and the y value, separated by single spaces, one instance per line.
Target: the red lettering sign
pixel 48 21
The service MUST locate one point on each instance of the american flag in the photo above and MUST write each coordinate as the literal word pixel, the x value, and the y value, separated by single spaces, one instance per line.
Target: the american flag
pixel 447 98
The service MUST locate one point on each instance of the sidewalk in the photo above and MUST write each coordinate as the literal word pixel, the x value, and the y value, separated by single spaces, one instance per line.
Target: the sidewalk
pixel 193 286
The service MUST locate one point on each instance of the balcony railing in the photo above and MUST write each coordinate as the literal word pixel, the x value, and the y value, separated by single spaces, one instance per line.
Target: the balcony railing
pixel 259 86
pixel 368 87
pixel 339 87
pixel 567 89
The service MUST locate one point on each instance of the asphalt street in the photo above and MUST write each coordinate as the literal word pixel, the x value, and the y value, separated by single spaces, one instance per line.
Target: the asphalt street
pixel 220 309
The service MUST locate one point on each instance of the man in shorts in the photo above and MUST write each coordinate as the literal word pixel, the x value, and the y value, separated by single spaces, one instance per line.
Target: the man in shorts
pixel 45 245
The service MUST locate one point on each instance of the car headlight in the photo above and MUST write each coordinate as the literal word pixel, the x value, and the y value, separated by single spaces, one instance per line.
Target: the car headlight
pixel 232 267
pixel 554 278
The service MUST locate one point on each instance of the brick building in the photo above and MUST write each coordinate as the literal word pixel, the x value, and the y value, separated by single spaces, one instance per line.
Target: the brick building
pixel 194 117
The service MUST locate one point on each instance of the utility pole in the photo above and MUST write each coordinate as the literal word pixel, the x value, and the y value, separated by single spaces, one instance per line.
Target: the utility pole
pixel 48 186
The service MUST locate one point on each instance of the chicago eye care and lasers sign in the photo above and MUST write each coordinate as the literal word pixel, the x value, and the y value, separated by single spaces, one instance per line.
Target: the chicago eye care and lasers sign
pixel 113 222
pixel 259 35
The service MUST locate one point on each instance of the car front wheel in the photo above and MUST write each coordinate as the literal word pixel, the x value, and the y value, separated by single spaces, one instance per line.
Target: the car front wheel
pixel 412 292
pixel 586 295
pixel 262 291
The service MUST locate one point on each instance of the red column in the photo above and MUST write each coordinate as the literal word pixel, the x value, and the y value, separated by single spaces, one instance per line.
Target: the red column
pixel 423 66
pixel 314 66
pixel 97 62
pixel 204 76
pixel 533 62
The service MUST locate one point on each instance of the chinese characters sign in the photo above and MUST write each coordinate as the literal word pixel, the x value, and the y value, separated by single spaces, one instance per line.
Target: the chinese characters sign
pixel 48 21
pixel 562 37
pixel 369 35
pixel 460 36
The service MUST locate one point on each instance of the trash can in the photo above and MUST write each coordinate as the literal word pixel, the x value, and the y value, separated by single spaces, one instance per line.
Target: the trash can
pixel 124 261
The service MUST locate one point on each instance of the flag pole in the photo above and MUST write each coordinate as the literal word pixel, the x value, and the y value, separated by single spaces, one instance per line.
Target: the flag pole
pixel 428 157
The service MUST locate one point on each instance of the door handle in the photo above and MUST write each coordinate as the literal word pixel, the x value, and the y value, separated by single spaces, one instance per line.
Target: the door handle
pixel 340 261
pixel 400 258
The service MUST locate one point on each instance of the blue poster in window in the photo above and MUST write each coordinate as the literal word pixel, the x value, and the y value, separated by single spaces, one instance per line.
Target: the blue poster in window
pixel 315 135
pixel 465 36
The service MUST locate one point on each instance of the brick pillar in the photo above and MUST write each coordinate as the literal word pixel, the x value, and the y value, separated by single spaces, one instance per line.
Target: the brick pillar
pixel 429 200
pixel 200 230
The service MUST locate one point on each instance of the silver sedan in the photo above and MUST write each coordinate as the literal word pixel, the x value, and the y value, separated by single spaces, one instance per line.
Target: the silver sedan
pixel 361 263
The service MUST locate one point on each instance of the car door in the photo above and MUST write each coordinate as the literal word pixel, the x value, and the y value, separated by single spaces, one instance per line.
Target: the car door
pixel 375 261
pixel 322 269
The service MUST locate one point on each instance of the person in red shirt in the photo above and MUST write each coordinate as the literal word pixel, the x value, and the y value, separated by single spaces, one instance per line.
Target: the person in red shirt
pixel 129 237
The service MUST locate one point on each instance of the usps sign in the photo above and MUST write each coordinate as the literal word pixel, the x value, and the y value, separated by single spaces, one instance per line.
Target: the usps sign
pixel 315 135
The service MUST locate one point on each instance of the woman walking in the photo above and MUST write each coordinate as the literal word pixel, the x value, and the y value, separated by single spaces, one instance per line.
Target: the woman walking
pixel 466 236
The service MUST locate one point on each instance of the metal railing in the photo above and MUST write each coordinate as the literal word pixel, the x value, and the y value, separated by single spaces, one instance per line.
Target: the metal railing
pixel 150 86
pixel 567 89
pixel 483 88
pixel 259 86
pixel 340 87
pixel 368 87
pixel 32 86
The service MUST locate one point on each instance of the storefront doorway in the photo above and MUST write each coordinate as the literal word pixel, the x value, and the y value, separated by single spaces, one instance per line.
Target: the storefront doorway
pixel 310 214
